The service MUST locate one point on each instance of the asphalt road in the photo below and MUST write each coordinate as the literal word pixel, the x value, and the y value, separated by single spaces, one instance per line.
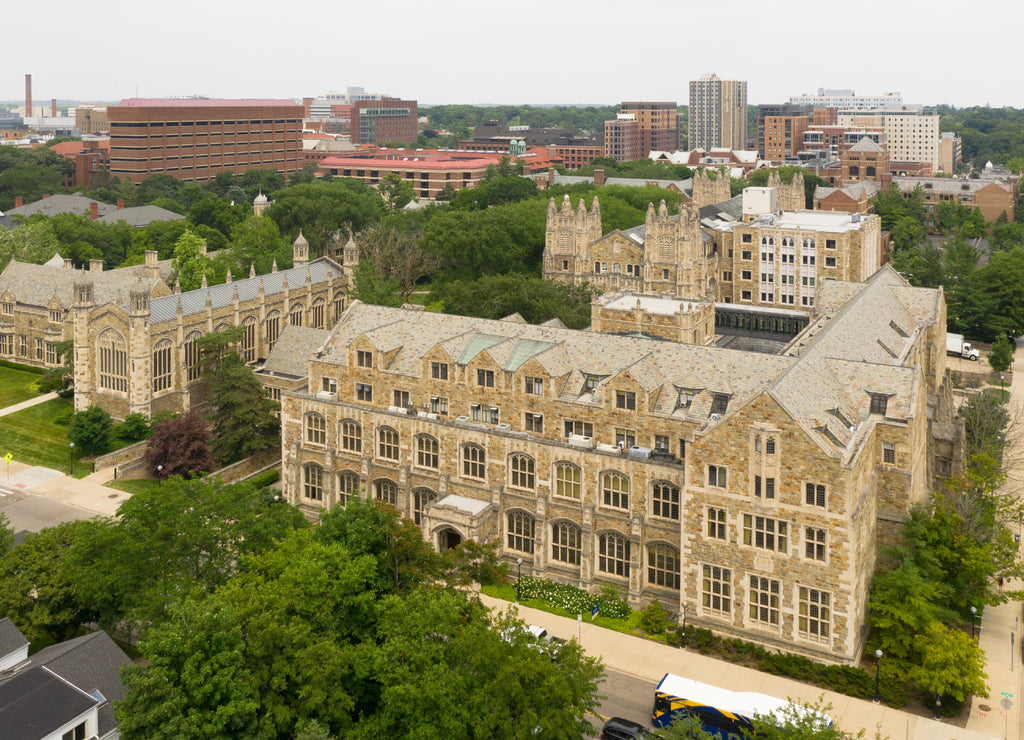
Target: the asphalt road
pixel 628 697
pixel 28 513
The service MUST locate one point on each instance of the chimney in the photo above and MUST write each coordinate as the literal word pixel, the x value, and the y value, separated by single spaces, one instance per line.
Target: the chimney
pixel 18 201
pixel 551 176
pixel 151 263
pixel 28 95
pixel 598 178
pixel 120 203
pixel 53 107
pixel 95 265
pixel 68 264
pixel 45 196
pixel 94 211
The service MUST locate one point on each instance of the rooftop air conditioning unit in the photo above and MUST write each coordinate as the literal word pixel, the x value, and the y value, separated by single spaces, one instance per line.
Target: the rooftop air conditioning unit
pixel 715 418
pixel 461 418
pixel 505 427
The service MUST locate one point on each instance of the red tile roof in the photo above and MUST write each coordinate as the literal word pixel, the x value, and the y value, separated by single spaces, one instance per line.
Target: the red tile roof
pixel 410 163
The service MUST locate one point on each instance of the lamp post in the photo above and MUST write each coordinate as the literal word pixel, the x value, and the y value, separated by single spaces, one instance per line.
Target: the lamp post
pixel 1002 391
pixel 938 706
pixel 71 459
pixel 159 471
pixel 519 574
pixel 683 645
pixel 974 611
pixel 878 669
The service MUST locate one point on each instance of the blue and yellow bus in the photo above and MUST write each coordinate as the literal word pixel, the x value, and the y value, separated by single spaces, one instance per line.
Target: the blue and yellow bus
pixel 722 713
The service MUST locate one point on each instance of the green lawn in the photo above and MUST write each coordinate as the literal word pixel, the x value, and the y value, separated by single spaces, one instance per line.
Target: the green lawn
pixel 34 437
pixel 134 485
pixel 17 386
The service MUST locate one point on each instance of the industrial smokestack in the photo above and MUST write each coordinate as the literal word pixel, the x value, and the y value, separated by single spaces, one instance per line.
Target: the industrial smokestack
pixel 28 95
pixel 53 107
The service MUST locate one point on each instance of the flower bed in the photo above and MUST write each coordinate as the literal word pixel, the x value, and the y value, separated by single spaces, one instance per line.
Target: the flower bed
pixel 572 599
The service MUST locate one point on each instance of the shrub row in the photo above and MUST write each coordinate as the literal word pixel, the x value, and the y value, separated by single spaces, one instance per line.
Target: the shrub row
pixel 265 479
pixel 574 600
pixel 24 368
pixel 842 679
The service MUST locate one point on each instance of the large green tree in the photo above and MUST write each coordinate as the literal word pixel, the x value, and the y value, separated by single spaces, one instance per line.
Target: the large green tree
pixel 535 299
pixel 190 263
pixel 322 209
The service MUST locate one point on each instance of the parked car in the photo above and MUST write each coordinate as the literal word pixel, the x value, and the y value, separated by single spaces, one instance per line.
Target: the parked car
pixel 620 728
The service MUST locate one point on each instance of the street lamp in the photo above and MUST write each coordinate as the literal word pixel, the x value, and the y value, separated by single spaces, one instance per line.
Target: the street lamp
pixel 71 458
pixel 878 669
pixel 974 611
pixel 519 574
pixel 938 706
pixel 1001 389
pixel 159 471
pixel 683 644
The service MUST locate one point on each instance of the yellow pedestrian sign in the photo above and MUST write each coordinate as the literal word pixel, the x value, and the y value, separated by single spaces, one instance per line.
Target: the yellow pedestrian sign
pixel 8 458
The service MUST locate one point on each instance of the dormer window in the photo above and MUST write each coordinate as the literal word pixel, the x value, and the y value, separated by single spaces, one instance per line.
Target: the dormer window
pixel 686 396
pixel 590 383
pixel 625 400
pixel 56 317
pixel 7 307
pixel 719 403
pixel 879 403
pixel 364 358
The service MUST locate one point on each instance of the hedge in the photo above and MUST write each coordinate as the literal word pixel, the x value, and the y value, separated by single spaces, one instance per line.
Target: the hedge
pixel 23 368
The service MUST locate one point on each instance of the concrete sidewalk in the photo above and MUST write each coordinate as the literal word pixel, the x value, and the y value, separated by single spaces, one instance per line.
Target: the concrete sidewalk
pixel 649 661
pixel 1002 664
pixel 26 404
pixel 84 494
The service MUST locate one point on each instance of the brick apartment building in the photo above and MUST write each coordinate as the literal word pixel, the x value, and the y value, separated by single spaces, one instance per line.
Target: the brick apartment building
pixel 380 121
pixel 195 138
pixel 428 175
pixel 622 138
pixel 659 125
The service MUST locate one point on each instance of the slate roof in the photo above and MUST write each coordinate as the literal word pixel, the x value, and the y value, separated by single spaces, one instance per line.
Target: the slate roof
pixel 824 378
pixel 36 284
pixel 866 145
pixel 943 184
pixel 141 216
pixel 57 204
pixel 11 638
pixel 292 350
pixel 90 662
pixel 685 186
pixel 220 296
pixel 36 702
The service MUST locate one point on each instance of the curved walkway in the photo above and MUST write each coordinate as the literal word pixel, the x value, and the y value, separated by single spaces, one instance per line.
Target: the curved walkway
pixel 26 404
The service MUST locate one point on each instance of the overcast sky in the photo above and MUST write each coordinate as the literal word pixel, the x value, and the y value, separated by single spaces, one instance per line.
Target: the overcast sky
pixel 526 51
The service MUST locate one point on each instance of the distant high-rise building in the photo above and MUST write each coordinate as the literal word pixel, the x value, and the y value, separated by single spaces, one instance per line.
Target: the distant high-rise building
pixel 911 132
pixel 845 99
pixel 387 119
pixel 659 125
pixel 780 131
pixel 196 138
pixel 718 113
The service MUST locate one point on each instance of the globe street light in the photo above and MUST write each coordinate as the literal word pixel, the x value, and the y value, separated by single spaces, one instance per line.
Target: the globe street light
pixel 974 611
pixel 159 471
pixel 519 574
pixel 71 466
pixel 878 669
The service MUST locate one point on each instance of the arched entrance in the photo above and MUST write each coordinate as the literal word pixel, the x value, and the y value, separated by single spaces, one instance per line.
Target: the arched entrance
pixel 448 538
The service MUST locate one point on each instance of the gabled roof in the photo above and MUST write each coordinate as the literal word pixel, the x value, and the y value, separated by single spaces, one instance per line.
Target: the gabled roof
pixel 57 204
pixel 11 638
pixel 293 349
pixel 36 702
pixel 220 296
pixel 37 285
pixel 866 145
pixel 140 216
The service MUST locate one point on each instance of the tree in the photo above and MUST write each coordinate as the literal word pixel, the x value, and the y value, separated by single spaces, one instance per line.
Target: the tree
pixel 321 209
pixel 951 665
pixel 396 191
pixel 799 721
pixel 91 430
pixel 243 419
pixel 135 427
pixel 38 585
pixel 190 263
pixel 33 242
pixel 257 242
pixel 535 299
pixel 372 287
pixel 1001 355
pixel 903 603
pixel 180 445
pixel 396 255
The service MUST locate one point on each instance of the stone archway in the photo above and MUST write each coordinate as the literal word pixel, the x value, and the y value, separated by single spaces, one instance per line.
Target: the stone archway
pixel 447 538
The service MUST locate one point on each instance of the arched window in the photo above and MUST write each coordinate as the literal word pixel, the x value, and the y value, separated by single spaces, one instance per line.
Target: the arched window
pixel 521 531
pixel 339 306
pixel 387 443
pixel 613 554
pixel 316 314
pixel 567 480
pixel 663 566
pixel 273 328
pixel 295 315
pixel 426 451
pixel 386 490
pixel 113 354
pixel 565 543
pixel 665 251
pixel 162 365
pixel 615 490
pixel 421 498
pixel 665 500
pixel 351 436
pixel 521 472
pixel 348 484
pixel 248 339
pixel 474 461
pixel 316 428
pixel 313 482
pixel 617 269
pixel 191 352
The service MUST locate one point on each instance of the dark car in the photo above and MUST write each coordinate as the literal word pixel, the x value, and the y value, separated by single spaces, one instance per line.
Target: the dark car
pixel 619 728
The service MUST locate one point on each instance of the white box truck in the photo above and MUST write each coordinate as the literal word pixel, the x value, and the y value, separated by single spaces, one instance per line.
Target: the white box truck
pixel 955 345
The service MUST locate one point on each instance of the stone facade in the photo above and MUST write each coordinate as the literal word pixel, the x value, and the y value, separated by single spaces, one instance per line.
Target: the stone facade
pixel 710 186
pixel 668 317
pixel 755 491
pixel 142 357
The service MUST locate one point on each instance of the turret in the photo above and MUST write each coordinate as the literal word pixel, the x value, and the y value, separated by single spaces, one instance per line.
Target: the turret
pixel 300 251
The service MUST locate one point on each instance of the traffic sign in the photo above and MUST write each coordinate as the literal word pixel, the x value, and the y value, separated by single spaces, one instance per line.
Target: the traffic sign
pixel 1007 694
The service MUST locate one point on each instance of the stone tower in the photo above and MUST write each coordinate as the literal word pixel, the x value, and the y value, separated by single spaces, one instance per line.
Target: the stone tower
pixel 710 186
pixel 569 233
pixel 260 204
pixel 140 356
pixel 84 372
pixel 791 194
pixel 300 251
pixel 350 257
pixel 673 259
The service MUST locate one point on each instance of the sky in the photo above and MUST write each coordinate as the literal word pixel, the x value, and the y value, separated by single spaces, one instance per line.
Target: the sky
pixel 527 51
